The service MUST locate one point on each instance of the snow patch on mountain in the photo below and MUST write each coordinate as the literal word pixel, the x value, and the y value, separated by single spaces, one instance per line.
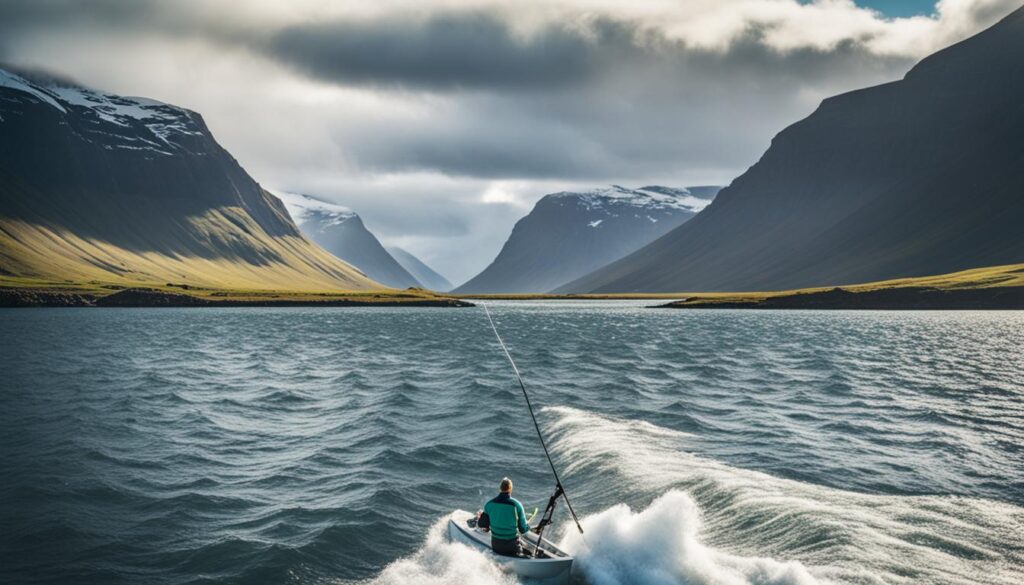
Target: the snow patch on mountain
pixel 16 82
pixel 646 198
pixel 304 208
pixel 163 121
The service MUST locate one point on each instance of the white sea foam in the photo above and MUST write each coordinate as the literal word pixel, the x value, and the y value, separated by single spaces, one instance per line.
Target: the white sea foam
pixel 661 546
pixel 441 562
pixel 706 523
pixel 658 546
pixel 837 535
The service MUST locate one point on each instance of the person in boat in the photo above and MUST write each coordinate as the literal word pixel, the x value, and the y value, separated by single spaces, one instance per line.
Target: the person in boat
pixel 506 518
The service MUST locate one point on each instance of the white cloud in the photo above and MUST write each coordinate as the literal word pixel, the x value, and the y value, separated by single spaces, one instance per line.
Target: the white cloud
pixel 503 194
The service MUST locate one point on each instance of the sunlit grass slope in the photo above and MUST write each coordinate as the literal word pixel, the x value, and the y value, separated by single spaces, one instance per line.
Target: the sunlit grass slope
pixel 223 248
pixel 977 279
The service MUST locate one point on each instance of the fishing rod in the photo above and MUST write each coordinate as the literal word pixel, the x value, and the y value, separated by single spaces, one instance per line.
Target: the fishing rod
pixel 559 490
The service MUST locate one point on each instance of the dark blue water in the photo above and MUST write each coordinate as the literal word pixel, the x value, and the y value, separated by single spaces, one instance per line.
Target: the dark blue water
pixel 328 445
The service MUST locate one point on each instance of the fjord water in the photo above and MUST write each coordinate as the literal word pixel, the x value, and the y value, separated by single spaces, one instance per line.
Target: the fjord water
pixel 291 445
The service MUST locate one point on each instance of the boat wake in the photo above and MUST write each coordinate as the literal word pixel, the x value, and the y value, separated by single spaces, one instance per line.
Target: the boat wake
pixel 657 546
pixel 442 562
pixel 661 545
pixel 700 522
pixel 740 519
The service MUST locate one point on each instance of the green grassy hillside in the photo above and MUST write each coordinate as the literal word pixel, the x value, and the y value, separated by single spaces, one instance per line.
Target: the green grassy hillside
pixel 249 258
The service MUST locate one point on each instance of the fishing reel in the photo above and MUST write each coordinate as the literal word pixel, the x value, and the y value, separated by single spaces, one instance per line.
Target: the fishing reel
pixel 549 510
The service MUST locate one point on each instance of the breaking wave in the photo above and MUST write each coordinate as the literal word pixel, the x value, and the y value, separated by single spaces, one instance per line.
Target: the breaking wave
pixel 660 546
pixel 706 523
pixel 441 562
pixel 724 525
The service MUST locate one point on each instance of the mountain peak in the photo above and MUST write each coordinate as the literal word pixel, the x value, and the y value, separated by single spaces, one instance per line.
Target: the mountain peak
pixel 120 122
pixel 304 208
pixel 649 198
pixel 341 231
pixel 570 233
pixel 11 80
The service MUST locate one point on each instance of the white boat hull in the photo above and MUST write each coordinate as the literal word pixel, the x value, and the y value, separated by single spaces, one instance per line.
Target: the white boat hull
pixel 555 569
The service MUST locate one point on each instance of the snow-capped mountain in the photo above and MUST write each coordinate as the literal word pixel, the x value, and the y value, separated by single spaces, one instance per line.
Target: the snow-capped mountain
pixel 95 186
pixel 319 214
pixel 569 234
pixel 123 123
pixel 341 232
pixel 647 199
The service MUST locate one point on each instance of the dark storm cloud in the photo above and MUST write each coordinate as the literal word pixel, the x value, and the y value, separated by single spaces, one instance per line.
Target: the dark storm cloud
pixel 30 16
pixel 641 104
pixel 581 97
pixel 469 50
pixel 455 51
pixel 182 20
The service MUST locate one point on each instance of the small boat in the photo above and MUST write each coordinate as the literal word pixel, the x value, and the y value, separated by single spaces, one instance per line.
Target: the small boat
pixel 547 566
pixel 541 561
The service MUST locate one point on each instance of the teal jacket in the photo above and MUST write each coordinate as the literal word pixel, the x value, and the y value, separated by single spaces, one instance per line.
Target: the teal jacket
pixel 508 518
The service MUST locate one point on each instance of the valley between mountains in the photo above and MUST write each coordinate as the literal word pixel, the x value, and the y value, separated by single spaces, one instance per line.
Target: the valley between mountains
pixel 913 179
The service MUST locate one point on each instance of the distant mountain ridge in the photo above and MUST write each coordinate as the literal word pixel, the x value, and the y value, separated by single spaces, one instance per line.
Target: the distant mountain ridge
pixel 341 231
pixel 569 234
pixel 916 177
pixel 95 186
pixel 427 276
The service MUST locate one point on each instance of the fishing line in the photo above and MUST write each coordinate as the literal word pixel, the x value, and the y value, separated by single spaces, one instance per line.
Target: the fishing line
pixel 529 406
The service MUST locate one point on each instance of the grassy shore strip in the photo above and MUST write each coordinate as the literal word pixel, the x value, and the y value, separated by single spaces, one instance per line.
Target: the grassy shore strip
pixel 571 297
pixel 995 287
pixel 20 292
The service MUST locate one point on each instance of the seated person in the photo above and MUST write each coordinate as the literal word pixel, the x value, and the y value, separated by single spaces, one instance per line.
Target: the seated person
pixel 506 518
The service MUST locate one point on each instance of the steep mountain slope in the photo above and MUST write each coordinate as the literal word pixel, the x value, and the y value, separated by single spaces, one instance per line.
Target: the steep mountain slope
pixel 100 187
pixel 341 232
pixel 427 276
pixel 916 177
pixel 567 235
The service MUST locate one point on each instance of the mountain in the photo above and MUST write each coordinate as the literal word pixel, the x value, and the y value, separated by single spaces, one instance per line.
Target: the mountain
pixel 100 187
pixel 567 235
pixel 426 275
pixel 920 176
pixel 341 232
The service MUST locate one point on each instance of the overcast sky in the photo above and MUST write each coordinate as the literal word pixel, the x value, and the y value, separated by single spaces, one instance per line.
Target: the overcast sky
pixel 442 122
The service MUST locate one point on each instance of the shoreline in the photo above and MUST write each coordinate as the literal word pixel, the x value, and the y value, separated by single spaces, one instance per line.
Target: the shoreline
pixel 891 299
pixel 989 288
pixel 139 297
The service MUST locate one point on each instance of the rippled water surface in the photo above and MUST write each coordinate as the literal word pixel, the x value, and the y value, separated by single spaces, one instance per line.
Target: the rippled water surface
pixel 328 445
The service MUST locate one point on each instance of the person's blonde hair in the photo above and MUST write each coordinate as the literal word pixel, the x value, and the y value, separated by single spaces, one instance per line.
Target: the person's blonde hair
pixel 506 485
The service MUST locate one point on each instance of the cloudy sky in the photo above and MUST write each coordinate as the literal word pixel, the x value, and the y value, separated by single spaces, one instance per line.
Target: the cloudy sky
pixel 441 121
